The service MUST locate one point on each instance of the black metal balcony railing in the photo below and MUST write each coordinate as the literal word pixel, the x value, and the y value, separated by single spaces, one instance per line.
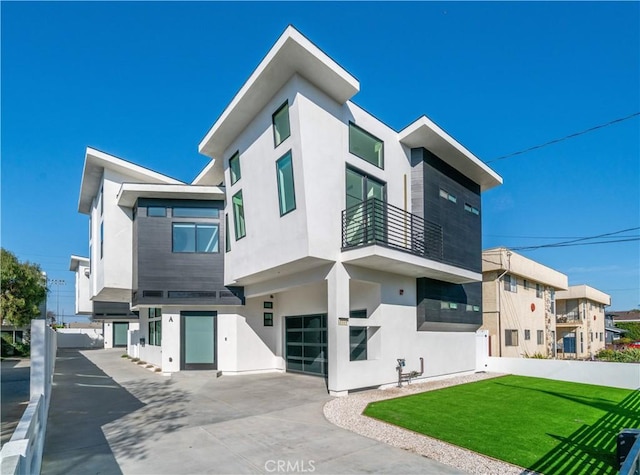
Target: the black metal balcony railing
pixel 375 222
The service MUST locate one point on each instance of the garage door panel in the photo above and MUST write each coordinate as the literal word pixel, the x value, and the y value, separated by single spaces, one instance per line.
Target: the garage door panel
pixel 306 344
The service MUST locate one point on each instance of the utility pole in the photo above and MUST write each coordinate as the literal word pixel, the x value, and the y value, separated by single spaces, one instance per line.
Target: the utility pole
pixel 57 283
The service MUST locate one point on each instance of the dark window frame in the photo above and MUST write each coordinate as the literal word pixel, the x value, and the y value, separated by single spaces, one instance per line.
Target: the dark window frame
pixel 233 176
pixel 363 356
pixel 354 125
pixel 236 222
pixel 267 319
pixel 273 123
pixel 279 184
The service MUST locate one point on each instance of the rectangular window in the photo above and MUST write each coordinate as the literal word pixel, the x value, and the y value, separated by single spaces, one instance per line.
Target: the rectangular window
pixel 286 190
pixel 366 146
pixel 281 125
pixel 234 167
pixel 510 283
pixel 539 291
pixel 101 200
pixel 448 196
pixel 601 336
pixel 227 234
pixel 101 240
pixel 155 327
pixel 156 211
pixel 511 338
pixel 525 284
pixel 238 215
pixel 190 237
pixel 194 212
pixel 552 297
pixel 357 343
pixel 591 336
pixel 540 337
pixel 527 334
pixel 358 313
pixel 268 319
pixel 267 304
pixel 471 209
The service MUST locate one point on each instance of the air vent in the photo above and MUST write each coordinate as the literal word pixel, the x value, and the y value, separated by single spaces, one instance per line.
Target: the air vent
pixel 186 294
pixel 152 293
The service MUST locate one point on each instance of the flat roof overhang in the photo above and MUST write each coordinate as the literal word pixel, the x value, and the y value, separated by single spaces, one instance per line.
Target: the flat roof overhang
pixel 292 54
pixel 96 162
pixel 427 134
pixel 77 261
pixel 397 262
pixel 130 192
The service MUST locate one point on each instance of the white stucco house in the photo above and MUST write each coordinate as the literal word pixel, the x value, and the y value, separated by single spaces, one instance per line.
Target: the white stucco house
pixel 317 240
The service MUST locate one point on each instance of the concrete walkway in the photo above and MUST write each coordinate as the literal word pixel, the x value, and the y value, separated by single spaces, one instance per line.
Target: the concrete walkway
pixel 111 416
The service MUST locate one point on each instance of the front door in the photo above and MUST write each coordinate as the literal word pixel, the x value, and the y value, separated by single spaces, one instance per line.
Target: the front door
pixel 120 330
pixel 198 334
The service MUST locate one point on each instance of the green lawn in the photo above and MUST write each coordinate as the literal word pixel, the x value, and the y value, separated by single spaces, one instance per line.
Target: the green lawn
pixel 552 427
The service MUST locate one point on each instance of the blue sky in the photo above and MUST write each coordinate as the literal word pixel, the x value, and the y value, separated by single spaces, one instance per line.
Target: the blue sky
pixel 145 81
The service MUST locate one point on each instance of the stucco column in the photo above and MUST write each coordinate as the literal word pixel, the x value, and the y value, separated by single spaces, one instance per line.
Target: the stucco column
pixel 338 335
pixel 171 351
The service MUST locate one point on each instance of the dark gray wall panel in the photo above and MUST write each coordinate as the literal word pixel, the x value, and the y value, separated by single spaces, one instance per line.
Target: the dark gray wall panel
pixel 432 317
pixel 462 238
pixel 165 277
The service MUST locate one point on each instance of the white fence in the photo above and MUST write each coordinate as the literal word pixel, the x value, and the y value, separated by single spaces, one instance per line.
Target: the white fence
pixel 80 338
pixel 23 453
pixel 601 373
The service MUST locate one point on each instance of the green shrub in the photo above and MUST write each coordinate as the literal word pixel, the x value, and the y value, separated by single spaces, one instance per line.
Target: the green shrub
pixel 536 356
pixel 627 355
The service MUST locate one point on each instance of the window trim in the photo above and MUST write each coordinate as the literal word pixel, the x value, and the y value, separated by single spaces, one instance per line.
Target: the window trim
pixel 279 183
pixel 232 174
pixel 273 123
pixel 381 165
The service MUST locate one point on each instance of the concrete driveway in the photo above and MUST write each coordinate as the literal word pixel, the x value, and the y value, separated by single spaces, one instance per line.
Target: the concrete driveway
pixel 15 391
pixel 109 415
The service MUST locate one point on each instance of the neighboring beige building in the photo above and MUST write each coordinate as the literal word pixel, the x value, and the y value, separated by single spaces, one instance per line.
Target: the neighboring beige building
pixel 518 300
pixel 580 321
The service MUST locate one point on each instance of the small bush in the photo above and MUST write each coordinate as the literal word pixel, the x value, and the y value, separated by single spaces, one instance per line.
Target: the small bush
pixel 627 355
pixel 536 356
pixel 124 356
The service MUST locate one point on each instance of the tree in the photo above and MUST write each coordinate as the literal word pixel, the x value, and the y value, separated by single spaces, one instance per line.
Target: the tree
pixel 23 288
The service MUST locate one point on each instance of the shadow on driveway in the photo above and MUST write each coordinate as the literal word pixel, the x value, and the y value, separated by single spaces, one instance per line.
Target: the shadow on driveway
pixel 84 400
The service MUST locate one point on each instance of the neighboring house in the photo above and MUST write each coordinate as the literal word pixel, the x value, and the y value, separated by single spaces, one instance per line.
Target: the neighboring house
pixel 519 304
pixel 625 316
pixel 580 321
pixel 612 333
pixel 336 245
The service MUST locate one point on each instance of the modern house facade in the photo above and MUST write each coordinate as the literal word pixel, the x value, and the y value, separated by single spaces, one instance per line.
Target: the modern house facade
pixel 318 239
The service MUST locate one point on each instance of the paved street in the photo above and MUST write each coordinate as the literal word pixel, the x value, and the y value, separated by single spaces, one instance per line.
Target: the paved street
pixel 111 416
pixel 15 381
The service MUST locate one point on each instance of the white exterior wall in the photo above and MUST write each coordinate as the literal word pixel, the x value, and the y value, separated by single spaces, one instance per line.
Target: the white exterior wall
pixel 111 276
pixel 107 331
pixel 83 291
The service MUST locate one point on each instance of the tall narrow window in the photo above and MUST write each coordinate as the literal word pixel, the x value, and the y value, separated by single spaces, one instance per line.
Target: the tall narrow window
pixel 101 240
pixel 281 126
pixel 101 200
pixel 234 167
pixel 511 338
pixel 540 337
pixel 286 190
pixel 510 283
pixel 238 215
pixel 227 234
pixel 366 146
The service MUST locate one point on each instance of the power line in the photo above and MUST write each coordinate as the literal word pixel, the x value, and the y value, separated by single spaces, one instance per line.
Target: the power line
pixel 578 242
pixel 535 147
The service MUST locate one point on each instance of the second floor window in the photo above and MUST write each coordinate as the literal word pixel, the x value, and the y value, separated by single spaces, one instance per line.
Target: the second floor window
pixel 192 237
pixel 510 283
pixel 238 215
pixel 286 190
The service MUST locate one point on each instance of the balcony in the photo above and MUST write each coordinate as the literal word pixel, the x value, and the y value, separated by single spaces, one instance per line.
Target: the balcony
pixel 381 236
pixel 571 319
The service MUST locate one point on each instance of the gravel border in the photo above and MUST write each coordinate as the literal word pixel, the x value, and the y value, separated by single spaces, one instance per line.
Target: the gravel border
pixel 346 412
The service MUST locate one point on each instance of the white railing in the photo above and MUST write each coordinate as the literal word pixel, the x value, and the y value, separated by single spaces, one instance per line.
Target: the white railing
pixel 23 453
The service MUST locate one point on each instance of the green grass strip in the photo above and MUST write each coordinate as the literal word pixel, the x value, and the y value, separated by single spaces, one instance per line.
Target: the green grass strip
pixel 552 427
